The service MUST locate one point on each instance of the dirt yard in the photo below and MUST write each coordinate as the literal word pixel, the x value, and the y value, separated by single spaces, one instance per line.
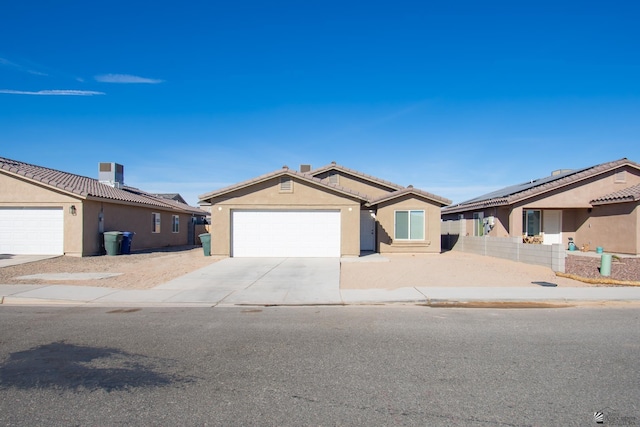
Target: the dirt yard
pixel 447 269
pixel 149 269
pixel 139 270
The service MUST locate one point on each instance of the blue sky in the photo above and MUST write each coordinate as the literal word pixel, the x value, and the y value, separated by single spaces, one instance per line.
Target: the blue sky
pixel 456 98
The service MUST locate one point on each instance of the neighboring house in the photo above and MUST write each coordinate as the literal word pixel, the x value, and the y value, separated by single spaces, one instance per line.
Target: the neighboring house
pixel 171 196
pixel 46 211
pixel 327 212
pixel 594 206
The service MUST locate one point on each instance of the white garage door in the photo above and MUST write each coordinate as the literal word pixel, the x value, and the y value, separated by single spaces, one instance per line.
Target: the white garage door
pixel 31 231
pixel 285 234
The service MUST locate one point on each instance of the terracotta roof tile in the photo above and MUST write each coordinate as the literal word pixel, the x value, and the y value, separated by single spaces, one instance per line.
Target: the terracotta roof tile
pixel 86 187
pixel 630 194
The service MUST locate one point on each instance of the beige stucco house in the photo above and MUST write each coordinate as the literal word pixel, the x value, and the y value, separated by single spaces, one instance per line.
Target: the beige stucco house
pixel 595 207
pixel 46 211
pixel 326 212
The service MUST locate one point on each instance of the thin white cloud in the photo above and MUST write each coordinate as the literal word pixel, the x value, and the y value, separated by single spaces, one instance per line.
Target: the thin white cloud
pixel 125 78
pixel 53 92
pixel 19 67
pixel 6 62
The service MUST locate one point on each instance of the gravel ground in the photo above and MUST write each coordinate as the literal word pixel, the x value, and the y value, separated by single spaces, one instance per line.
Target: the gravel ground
pixel 139 270
pixel 626 269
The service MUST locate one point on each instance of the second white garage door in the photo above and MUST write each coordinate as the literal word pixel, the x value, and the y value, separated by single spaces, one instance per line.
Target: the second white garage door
pixel 31 231
pixel 285 233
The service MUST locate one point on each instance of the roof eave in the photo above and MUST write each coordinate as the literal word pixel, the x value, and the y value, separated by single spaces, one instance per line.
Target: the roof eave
pixel 298 175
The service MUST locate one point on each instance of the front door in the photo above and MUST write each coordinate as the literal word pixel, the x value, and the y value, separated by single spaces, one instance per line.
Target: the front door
pixel 552 226
pixel 367 231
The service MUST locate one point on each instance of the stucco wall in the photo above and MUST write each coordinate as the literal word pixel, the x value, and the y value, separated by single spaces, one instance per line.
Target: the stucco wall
pixel 613 227
pixel 267 195
pixel 139 220
pixel 385 219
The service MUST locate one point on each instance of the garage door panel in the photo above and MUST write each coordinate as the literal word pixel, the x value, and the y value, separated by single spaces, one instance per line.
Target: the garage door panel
pixel 32 231
pixel 286 234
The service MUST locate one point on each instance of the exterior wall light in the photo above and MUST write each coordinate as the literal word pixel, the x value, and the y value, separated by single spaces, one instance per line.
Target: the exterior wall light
pixel 72 210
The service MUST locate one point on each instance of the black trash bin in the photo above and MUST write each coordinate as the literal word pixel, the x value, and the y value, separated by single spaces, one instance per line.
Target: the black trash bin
pixel 113 242
pixel 127 237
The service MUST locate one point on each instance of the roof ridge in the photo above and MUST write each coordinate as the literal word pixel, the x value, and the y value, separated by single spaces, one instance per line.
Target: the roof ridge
pixel 356 173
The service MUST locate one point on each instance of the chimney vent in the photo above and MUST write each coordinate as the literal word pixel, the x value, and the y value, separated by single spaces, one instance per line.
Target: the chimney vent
pixel 560 172
pixel 305 168
pixel 111 174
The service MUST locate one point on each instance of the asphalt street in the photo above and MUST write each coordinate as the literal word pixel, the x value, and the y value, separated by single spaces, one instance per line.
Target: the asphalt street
pixel 285 366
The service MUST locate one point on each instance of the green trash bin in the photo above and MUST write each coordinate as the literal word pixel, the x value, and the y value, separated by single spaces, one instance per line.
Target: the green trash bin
pixel 113 242
pixel 205 238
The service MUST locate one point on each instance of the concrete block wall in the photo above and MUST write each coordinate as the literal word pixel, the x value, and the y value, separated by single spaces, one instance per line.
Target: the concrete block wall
pixel 509 248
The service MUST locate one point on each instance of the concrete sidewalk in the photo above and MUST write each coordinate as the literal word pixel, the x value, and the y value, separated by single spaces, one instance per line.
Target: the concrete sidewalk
pixel 169 295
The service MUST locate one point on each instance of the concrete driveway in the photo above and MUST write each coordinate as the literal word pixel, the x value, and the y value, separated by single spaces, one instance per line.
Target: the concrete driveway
pixel 261 281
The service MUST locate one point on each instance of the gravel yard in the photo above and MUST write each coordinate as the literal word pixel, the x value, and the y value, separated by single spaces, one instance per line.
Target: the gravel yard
pixel 139 270
pixel 625 269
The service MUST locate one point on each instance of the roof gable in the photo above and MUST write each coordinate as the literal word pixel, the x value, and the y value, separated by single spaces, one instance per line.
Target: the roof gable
pixel 410 191
pixel 334 166
pixel 285 171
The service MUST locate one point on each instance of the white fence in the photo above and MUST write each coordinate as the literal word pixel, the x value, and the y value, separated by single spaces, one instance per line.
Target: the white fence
pixel 511 248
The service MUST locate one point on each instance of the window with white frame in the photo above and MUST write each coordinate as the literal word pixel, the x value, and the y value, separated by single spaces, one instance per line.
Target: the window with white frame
pixel 155 226
pixel 409 225
pixel 175 224
pixel 531 222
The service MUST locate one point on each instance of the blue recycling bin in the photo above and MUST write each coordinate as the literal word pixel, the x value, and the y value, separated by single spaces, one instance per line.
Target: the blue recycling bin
pixel 127 236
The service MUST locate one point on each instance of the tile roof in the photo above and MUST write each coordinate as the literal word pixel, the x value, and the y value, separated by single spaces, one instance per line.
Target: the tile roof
pixel 630 194
pixel 284 171
pixel 515 193
pixel 170 196
pixel 354 172
pixel 409 190
pixel 86 187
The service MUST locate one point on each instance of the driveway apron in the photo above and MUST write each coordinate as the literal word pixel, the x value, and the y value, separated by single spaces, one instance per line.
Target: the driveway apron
pixel 261 281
